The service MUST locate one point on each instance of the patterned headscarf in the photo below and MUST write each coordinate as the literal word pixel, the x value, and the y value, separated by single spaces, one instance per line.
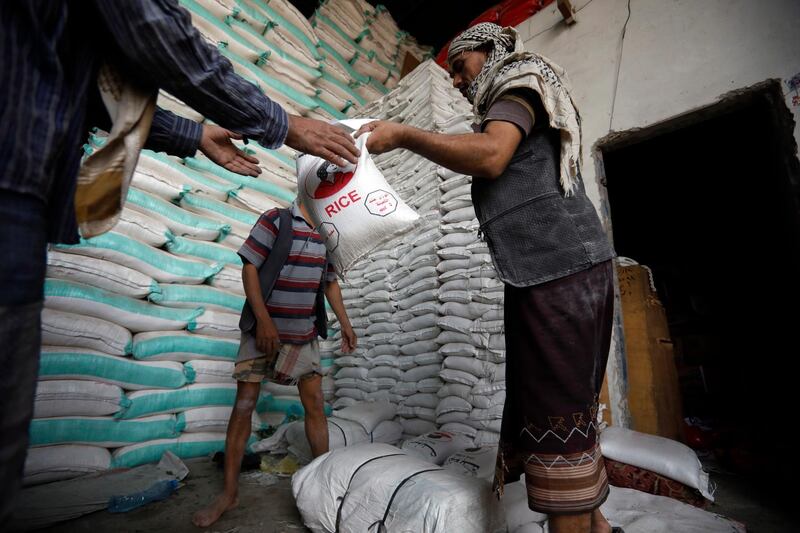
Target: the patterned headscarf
pixel 508 66
pixel 502 40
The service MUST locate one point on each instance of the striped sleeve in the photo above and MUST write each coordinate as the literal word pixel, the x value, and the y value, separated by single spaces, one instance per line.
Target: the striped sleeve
pixel 330 272
pixel 175 135
pixel 258 245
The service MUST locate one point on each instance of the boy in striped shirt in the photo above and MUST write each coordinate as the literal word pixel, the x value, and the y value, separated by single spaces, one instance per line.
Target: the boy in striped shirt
pixel 283 347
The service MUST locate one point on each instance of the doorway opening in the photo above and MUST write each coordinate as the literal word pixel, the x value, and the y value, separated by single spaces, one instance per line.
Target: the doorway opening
pixel 709 202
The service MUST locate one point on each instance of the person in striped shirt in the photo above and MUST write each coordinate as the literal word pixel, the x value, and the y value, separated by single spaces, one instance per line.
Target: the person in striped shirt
pixel 283 347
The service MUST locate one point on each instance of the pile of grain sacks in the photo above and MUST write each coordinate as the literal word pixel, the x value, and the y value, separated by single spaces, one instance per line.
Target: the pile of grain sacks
pixel 140 326
pixel 427 307
pixel 343 58
pixel 363 42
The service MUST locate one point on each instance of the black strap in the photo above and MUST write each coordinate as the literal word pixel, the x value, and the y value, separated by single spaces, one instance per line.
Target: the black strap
pixel 347 490
pixel 271 268
pixel 382 521
pixel 344 435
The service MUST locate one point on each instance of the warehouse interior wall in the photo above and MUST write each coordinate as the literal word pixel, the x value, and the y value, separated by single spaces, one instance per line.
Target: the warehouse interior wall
pixel 634 64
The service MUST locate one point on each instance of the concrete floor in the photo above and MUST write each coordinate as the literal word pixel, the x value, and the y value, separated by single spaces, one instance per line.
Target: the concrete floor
pixel 271 509
pixel 261 509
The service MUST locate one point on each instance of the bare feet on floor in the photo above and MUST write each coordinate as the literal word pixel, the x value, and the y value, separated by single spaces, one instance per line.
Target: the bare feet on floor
pixel 208 515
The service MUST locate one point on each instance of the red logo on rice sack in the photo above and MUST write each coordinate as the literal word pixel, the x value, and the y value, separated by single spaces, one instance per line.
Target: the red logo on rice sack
pixel 330 182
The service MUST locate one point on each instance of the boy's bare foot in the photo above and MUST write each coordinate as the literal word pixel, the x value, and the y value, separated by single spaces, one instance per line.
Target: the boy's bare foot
pixel 208 515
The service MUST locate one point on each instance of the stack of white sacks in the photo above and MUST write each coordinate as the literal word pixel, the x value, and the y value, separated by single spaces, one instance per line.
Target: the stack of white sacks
pixel 364 42
pixel 140 327
pixel 342 59
pixel 272 45
pixel 427 307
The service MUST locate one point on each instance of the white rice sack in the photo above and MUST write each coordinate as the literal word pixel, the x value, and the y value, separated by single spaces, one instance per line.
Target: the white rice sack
pixel 455 323
pixel 105 431
pixel 453 404
pixel 663 456
pixel 476 462
pixel 423 413
pixel 99 273
pixel 78 331
pixel 210 371
pixel 433 358
pixel 485 387
pixel 424 308
pixel 56 463
pixel 416 426
pixel 487 437
pixel 77 398
pixel 183 346
pixel 229 278
pixel 352 393
pixel 420 373
pixel 343 402
pixel 515 506
pixel 384 371
pixel 159 401
pixel 428 400
pixel 64 362
pixel 253 200
pixel 197 296
pixel 635 510
pixel 462 429
pixel 128 312
pixel 160 265
pixel 435 447
pixel 454 417
pixel 364 485
pixel 419 347
pixel 429 385
pixel 355 206
pixel 455 389
pixel 487 402
pixel 476 367
pixel 141 227
pixel 217 324
pixel 213 419
pixel 187 446
pixel 458 376
pixel 415 276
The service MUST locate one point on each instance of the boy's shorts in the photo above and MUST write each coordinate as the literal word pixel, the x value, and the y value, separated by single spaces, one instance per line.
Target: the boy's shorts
pixel 294 362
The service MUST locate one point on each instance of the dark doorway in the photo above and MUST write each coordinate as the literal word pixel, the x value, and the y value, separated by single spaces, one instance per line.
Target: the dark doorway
pixel 710 203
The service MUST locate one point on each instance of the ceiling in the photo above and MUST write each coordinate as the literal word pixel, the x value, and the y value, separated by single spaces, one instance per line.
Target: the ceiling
pixel 432 22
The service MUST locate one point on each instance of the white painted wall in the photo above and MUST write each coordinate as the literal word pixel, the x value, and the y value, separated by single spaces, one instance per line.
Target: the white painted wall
pixel 676 56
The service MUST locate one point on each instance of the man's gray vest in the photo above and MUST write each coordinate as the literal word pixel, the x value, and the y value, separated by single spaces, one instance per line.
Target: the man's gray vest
pixel 534 233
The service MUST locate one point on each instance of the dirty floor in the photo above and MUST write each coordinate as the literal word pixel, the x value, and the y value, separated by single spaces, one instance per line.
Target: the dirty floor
pixel 271 509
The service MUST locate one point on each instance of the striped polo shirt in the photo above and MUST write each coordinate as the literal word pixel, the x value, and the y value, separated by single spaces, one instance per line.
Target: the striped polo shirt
pixel 292 302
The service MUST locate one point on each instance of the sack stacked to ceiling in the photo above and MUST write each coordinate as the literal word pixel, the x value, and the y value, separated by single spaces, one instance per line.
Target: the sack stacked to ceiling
pixel 363 48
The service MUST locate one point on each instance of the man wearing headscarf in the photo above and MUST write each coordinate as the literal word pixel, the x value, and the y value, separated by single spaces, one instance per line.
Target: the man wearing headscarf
pixel 549 248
